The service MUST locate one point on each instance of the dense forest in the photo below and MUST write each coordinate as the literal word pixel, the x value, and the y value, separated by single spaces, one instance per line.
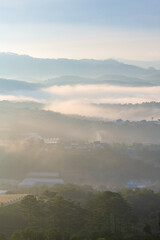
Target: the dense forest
pixel 79 212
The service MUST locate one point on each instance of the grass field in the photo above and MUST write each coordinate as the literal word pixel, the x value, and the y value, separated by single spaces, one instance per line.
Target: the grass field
pixel 8 199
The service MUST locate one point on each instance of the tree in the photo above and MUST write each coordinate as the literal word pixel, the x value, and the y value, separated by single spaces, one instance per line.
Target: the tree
pixel 159 220
pixel 109 213
pixel 32 209
pixel 49 194
pixel 147 229
pixel 17 235
pixel 65 215
pixel 3 236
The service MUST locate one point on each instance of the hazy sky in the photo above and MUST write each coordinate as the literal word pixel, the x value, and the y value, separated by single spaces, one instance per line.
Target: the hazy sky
pixel 81 28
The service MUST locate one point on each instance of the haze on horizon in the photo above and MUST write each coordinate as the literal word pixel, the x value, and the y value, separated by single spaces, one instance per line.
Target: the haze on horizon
pixel 80 29
pixel 76 29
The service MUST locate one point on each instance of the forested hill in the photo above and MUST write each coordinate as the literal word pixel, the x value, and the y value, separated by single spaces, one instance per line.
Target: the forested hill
pixel 73 212
pixel 30 117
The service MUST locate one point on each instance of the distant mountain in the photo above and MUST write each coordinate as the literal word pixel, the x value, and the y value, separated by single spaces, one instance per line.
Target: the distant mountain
pixel 27 68
pixel 143 64
pixel 122 80
pixel 70 80
pixel 9 86
pixel 119 80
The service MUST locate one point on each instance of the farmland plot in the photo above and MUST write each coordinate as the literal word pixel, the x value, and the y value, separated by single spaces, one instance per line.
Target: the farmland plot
pixel 8 199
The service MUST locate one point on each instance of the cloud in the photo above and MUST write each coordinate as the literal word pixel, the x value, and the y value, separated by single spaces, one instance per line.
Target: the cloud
pixel 88 100
pixel 106 112
pixel 82 100
pixel 104 93
pixel 18 98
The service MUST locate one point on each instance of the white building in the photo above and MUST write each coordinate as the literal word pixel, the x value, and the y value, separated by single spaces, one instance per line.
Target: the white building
pixel 41 178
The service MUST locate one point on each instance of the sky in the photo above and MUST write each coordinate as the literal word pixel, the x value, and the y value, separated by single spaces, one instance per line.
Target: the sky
pixel 99 29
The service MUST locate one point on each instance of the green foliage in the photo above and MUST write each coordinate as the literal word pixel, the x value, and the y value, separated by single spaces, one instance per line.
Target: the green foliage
pixel 145 205
pixel 17 235
pixel 105 216
pixel 109 212
pixel 147 229
pixel 28 234
pixel 32 210
pixel 49 194
pixel 2 236
pixel 65 215
pixel 11 219
pixel 75 192
pixel 51 233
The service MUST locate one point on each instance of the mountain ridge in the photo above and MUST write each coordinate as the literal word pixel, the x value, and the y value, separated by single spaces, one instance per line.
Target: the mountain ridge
pixel 86 71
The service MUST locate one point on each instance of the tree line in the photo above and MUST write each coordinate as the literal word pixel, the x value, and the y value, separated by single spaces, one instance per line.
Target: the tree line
pixel 56 215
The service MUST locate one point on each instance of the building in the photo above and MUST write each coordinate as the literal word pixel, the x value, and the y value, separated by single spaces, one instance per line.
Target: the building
pixel 41 178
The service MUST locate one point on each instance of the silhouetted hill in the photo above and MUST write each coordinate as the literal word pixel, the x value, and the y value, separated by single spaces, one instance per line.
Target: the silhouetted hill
pixel 8 86
pixel 119 80
pixel 143 64
pixel 27 68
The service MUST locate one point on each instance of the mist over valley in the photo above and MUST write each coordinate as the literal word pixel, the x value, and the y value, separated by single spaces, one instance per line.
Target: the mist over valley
pixel 108 115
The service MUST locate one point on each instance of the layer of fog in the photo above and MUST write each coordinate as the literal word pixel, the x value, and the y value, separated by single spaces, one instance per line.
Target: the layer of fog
pixel 85 100
pixel 25 96
pixel 94 100
pixel 17 98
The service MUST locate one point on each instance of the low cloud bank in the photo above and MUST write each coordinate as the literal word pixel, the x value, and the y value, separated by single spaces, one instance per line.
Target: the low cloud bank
pixel 82 100
pixel 87 100
pixel 104 94
pixel 17 98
